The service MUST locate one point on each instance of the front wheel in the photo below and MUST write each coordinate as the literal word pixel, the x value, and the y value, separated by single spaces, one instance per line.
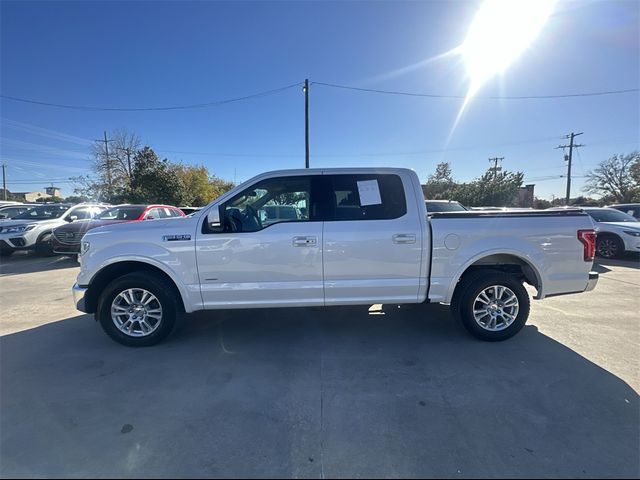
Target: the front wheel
pixel 44 247
pixel 492 306
pixel 137 310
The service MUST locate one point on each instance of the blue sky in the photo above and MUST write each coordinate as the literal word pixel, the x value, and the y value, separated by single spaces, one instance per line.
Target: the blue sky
pixel 148 54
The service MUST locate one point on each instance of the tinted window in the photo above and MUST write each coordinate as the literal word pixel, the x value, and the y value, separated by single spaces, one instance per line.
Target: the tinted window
pixel 434 207
pixel 610 215
pixel 175 213
pixel 153 214
pixel 45 212
pixel 366 197
pixel 275 200
pixel 122 213
pixel 81 213
pixel 628 209
pixel 12 212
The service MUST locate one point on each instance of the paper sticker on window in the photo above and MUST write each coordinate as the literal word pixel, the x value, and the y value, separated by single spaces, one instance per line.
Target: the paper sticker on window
pixel 369 193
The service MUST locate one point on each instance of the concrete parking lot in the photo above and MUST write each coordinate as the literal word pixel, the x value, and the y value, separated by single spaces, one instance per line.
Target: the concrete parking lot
pixel 340 392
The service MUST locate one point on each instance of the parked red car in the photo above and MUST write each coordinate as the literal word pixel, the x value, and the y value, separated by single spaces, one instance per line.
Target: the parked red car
pixel 67 239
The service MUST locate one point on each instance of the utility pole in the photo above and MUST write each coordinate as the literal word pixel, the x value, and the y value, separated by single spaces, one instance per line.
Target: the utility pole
pixel 306 122
pixel 4 181
pixel 108 162
pixel 568 159
pixel 495 167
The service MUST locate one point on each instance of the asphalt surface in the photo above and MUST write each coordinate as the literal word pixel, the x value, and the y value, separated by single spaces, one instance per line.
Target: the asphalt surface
pixel 339 392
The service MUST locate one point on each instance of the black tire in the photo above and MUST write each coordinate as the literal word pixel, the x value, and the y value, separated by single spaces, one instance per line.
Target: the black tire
pixel 609 246
pixel 153 283
pixel 468 290
pixel 44 247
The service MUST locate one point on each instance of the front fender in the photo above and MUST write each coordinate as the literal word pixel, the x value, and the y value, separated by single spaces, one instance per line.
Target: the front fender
pixel 177 262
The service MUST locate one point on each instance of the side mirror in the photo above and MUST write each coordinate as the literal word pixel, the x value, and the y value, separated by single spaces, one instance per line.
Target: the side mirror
pixel 213 220
pixel 150 217
pixel 73 218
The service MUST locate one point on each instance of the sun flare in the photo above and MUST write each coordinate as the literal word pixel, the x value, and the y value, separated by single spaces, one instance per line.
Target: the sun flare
pixel 500 32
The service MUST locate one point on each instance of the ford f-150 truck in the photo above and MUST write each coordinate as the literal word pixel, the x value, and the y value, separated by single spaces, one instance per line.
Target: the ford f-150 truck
pixel 362 236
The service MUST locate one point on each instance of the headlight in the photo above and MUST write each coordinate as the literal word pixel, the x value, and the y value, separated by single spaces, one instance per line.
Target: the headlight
pixel 18 228
pixel 633 233
pixel 84 247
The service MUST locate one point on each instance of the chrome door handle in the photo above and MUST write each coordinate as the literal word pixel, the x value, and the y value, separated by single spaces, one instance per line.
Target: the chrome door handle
pixel 404 238
pixel 305 241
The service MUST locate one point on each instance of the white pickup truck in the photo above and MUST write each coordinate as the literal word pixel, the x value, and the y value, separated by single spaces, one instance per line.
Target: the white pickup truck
pixel 362 236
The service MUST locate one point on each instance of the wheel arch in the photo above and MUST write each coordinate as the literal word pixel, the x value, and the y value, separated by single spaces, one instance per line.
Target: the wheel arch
pixel 117 269
pixel 510 263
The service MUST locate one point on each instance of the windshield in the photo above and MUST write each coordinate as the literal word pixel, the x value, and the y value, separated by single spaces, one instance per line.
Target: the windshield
pixel 434 207
pixel 44 212
pixel 122 213
pixel 610 215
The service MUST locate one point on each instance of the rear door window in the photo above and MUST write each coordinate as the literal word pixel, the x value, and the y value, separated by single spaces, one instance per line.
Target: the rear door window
pixel 365 197
pixel 153 214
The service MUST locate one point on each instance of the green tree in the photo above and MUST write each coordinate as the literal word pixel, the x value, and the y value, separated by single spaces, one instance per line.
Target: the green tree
pixel 155 180
pixel 76 199
pixel 52 199
pixel 440 185
pixel 617 178
pixel 219 186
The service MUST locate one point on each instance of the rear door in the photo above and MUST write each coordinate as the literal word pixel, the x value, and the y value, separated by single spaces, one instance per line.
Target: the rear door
pixel 372 240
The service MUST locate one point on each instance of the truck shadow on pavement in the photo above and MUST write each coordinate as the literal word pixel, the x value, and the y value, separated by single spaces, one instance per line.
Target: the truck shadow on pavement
pixel 27 262
pixel 339 392
pixel 630 260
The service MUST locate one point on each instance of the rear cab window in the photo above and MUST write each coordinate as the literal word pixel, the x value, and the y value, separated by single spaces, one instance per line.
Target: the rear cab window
pixel 365 197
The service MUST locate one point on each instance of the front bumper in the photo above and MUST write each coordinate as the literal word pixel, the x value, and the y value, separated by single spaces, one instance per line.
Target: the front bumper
pixel 79 297
pixel 13 243
pixel 593 280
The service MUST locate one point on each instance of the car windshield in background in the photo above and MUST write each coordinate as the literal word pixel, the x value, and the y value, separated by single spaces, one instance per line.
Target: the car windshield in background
pixel 610 215
pixel 435 207
pixel 44 212
pixel 121 213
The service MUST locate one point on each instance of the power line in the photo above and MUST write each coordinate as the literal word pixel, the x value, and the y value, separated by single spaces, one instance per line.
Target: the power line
pixel 459 97
pixel 366 154
pixel 214 103
pixel 297 84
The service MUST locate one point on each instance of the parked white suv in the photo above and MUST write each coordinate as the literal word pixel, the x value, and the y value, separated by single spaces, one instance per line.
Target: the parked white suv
pixel 618 232
pixel 32 229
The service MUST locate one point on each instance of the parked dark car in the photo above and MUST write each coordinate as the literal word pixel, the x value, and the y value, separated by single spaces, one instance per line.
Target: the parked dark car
pixel 67 239
pixel 632 209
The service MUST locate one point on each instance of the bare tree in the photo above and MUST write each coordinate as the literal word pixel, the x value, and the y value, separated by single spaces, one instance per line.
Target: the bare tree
pixel 114 172
pixel 613 178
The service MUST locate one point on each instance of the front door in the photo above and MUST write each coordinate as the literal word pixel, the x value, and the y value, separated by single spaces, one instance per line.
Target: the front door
pixel 269 252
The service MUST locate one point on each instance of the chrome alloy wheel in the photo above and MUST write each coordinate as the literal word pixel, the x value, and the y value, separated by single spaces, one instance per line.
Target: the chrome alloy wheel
pixel 136 312
pixel 496 308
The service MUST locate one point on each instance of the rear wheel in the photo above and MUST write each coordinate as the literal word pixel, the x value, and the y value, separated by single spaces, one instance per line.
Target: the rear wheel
pixel 609 246
pixel 137 309
pixel 492 306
